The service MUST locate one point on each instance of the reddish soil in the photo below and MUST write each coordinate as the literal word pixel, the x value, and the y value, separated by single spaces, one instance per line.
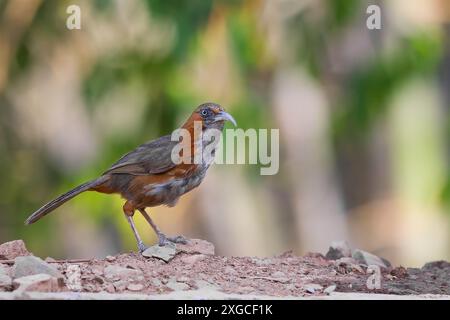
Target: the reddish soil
pixel 195 267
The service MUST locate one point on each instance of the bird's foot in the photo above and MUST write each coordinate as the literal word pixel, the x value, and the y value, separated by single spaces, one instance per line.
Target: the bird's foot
pixel 164 240
pixel 178 239
pixel 142 247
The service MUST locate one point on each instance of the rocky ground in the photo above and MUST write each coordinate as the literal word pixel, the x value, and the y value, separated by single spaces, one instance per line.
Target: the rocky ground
pixel 193 271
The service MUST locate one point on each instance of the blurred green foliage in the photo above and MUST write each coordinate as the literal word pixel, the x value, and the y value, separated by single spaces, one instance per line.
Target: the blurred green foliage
pixel 368 89
pixel 30 177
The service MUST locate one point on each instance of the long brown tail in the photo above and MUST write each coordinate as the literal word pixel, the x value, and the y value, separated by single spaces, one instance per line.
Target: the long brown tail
pixel 52 205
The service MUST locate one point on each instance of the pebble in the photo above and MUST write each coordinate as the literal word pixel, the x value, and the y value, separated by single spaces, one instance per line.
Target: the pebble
pixel 135 287
pixel 113 272
pixel 183 279
pixel 5 281
pixel 110 288
pixel 345 260
pixel 13 249
pixel 110 258
pixel 338 249
pixel 291 286
pixel 368 259
pixel 156 282
pixel 31 265
pixel 196 246
pixel 165 253
pixel 38 282
pixel 97 270
pixel 73 277
pixel 3 270
pixel 330 289
pixel 313 287
pixel 120 285
pixel 349 263
pixel 245 290
pixel 177 286
pixel 202 284
pixel 99 279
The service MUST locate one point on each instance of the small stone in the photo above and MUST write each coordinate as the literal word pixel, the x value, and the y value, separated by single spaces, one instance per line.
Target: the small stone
pixel 3 270
pixel 245 290
pixel 110 288
pixel 345 260
pixel 312 287
pixel 349 264
pixel 338 249
pixel 183 279
pixel 290 286
pixel 138 278
pixel 73 277
pixel 135 287
pixel 330 289
pixel 97 270
pixel 390 277
pixel 31 265
pixel 332 273
pixel 49 259
pixel 120 285
pixel 38 282
pixel 202 284
pixel 90 287
pixel 368 259
pixel 165 253
pixel 110 258
pixel 177 286
pixel 13 249
pixel 99 279
pixel 156 282
pixel 113 272
pixel 5 281
pixel 196 246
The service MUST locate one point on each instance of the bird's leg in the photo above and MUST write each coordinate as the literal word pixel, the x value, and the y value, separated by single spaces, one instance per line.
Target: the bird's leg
pixel 141 246
pixel 129 215
pixel 162 238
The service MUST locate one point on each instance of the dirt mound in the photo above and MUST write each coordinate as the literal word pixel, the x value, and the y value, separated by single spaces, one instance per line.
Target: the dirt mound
pixel 195 267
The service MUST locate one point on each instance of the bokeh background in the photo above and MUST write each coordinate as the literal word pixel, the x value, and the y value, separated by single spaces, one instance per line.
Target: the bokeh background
pixel 364 121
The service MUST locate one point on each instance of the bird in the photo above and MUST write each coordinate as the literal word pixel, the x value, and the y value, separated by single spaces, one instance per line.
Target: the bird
pixel 148 176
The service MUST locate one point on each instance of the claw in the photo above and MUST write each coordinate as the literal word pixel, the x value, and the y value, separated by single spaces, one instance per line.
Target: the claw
pixel 142 247
pixel 178 239
pixel 164 240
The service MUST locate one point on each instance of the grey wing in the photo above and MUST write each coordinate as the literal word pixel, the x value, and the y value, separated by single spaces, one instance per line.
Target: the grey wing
pixel 149 158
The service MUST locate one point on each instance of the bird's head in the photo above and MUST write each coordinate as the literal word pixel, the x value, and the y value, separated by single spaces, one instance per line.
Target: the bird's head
pixel 211 115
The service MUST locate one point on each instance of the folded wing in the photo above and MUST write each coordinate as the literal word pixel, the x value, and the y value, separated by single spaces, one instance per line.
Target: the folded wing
pixel 153 157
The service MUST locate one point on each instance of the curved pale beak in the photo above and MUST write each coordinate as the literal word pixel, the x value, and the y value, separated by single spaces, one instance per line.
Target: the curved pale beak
pixel 225 116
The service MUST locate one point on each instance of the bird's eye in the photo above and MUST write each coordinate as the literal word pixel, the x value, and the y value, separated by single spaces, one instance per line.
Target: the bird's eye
pixel 204 112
